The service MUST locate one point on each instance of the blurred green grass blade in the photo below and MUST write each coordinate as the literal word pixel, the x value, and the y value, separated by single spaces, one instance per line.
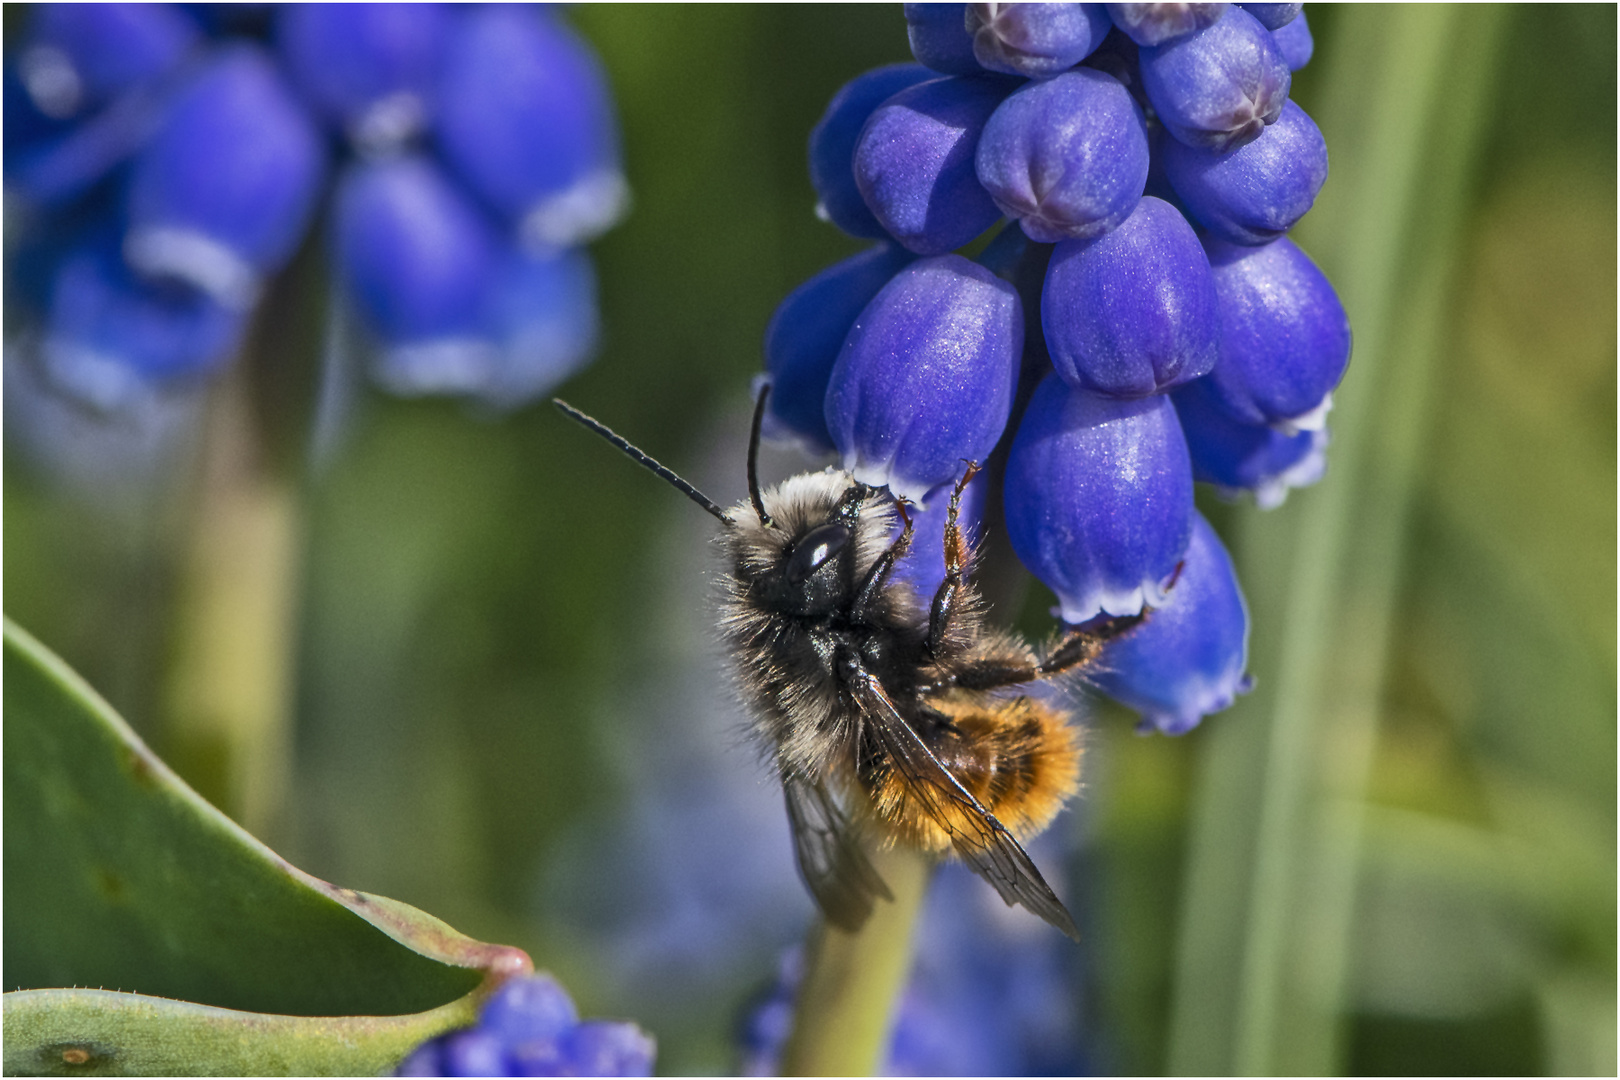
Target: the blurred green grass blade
pixel 1272 861
pixel 102 1033
pixel 119 876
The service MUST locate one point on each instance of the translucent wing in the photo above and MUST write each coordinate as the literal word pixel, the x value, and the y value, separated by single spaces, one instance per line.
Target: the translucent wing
pixel 977 837
pixel 831 861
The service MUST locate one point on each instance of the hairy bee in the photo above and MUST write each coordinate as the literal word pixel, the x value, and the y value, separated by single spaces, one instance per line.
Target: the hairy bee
pixel 881 711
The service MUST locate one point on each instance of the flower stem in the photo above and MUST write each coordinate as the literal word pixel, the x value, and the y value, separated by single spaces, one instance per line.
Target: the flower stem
pixel 851 981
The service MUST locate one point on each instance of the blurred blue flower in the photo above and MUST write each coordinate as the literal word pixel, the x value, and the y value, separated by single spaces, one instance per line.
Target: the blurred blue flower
pixel 529 1027
pixel 478 150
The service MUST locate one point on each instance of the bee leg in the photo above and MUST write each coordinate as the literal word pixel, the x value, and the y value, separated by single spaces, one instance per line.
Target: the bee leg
pixel 878 576
pixel 956 557
pixel 1081 645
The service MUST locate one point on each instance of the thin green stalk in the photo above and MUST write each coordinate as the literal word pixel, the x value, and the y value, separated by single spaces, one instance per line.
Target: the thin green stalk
pixel 1273 859
pixel 851 981
pixel 227 726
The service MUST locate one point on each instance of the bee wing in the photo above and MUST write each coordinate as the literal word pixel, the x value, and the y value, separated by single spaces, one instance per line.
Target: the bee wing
pixel 830 858
pixel 977 837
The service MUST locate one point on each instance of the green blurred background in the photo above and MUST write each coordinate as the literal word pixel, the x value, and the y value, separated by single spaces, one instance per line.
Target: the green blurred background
pixel 1397 856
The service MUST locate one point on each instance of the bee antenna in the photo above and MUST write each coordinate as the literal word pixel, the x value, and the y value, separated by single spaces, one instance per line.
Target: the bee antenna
pixel 645 460
pixel 753 457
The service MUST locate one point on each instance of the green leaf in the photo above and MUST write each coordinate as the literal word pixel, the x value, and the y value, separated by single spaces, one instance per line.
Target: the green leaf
pixel 120 877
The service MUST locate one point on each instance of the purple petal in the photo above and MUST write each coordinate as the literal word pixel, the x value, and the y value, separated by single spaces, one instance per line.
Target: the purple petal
pixel 1035 40
pixel 1099 499
pixel 1134 311
pixel 1219 87
pixel 833 140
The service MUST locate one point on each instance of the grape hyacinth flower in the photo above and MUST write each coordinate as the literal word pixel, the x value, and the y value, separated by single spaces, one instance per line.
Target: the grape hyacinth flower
pixel 1151 175
pixel 529 1027
pixel 476 152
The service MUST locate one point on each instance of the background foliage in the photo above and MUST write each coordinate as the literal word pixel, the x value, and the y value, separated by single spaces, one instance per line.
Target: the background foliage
pixel 501 644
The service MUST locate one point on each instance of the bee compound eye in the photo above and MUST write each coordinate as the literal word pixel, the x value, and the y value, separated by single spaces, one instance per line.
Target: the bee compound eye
pixel 812 552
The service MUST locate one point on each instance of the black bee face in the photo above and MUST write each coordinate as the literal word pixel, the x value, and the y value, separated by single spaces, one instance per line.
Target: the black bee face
pixel 816 573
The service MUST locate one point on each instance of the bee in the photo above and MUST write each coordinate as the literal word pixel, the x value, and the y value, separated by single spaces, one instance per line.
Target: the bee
pixel 884 714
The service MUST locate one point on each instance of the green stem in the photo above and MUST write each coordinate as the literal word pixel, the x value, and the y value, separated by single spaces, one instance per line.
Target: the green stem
pixel 1274 854
pixel 851 981
pixel 229 697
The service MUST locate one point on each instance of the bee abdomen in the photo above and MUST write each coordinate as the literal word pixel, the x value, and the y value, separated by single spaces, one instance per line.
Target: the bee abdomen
pixel 1018 757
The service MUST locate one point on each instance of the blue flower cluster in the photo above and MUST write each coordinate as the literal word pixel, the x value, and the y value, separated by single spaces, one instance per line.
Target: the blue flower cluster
pixel 988 995
pixel 164 161
pixel 1143 322
pixel 529 1027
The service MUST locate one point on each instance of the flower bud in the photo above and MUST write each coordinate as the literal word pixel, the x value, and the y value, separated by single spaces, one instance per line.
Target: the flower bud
pixel 526 119
pixel 1067 156
pixel 939 38
pixel 1155 24
pixel 1099 499
pixel 833 139
pixel 417 257
pixel 1294 42
pixel 220 197
pixel 1134 311
pixel 109 334
pixel 1035 40
pixel 77 57
pixel 1220 87
pixel 371 69
pixel 1273 16
pixel 1285 339
pixel 1255 193
pixel 926 376
pixel 914 163
pixel 806 335
pixel 1238 457
pixel 1187 659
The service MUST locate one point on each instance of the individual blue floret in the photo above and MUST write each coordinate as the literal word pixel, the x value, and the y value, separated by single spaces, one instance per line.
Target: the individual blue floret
pixel 1132 312
pixel 805 336
pixel 1295 43
pixel 221 195
pixel 1067 157
pixel 110 335
pixel 1285 338
pixel 1253 194
pixel 1273 16
pixel 1219 87
pixel 1157 24
pixel 926 376
pixel 833 139
pixel 939 38
pixel 1098 498
pixel 529 1027
pixel 372 70
pixel 417 257
pixel 1238 457
pixel 1189 658
pixel 542 314
pixel 914 163
pixel 1035 40
pixel 525 118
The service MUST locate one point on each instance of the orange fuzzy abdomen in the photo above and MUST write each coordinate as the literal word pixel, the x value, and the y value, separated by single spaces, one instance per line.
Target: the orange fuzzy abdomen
pixel 1018 757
